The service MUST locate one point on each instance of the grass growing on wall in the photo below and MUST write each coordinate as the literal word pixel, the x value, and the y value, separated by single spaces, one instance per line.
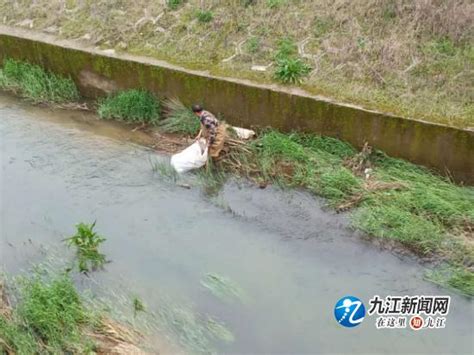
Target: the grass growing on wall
pixel 37 84
pixel 134 106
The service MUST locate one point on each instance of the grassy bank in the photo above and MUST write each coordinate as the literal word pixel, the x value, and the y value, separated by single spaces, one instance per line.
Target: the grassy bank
pixel 49 317
pixel 43 313
pixel 408 57
pixel 388 198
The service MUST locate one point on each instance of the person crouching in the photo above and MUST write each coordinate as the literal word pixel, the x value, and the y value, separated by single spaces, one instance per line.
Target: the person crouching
pixel 211 130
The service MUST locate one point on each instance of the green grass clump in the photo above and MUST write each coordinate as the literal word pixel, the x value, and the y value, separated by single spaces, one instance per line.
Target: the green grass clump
pixel 14 336
pixel 174 4
pixel 179 119
pixel 274 145
pixel 134 106
pixel 427 194
pixel 87 243
pixel 3 79
pixel 393 222
pixel 291 70
pixel 463 280
pixel 325 145
pixel 204 16
pixel 287 48
pixel 37 84
pixel 53 310
pixel 48 318
pixel 307 161
pixel 456 278
pixel 338 183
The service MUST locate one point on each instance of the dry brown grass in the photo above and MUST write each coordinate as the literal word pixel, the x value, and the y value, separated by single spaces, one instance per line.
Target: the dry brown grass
pixel 413 58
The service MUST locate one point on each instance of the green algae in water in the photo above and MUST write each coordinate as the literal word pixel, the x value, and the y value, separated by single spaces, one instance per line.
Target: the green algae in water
pixel 223 288
pixel 193 331
pixel 219 331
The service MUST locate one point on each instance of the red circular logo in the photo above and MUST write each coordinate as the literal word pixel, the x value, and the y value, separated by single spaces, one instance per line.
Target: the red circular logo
pixel 416 322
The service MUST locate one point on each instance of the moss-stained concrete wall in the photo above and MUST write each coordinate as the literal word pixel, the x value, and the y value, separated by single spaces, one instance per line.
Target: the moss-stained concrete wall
pixel 444 148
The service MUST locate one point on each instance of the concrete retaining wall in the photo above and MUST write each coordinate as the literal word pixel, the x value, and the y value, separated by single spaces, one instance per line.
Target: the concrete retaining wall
pixel 443 148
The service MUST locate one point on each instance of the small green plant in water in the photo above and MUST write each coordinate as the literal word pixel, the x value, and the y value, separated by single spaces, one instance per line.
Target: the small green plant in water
pixel 87 243
pixel 164 169
pixel 37 84
pixel 211 178
pixel 134 106
pixel 138 306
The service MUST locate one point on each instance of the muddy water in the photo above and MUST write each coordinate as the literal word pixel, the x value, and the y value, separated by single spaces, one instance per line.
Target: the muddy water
pixel 292 259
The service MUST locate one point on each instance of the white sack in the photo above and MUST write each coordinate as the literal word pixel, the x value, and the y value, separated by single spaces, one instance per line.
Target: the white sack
pixel 243 133
pixel 193 157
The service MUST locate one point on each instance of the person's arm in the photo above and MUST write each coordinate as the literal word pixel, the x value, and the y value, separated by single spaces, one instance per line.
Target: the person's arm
pixel 199 135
